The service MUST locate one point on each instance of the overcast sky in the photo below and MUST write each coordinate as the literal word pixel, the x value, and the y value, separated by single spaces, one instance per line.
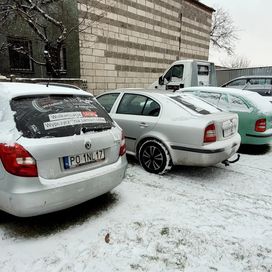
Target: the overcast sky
pixel 253 18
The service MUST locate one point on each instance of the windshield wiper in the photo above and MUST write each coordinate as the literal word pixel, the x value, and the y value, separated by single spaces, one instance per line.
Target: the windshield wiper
pixel 96 128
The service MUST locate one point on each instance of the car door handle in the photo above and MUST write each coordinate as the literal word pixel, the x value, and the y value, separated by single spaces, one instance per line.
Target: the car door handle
pixel 143 125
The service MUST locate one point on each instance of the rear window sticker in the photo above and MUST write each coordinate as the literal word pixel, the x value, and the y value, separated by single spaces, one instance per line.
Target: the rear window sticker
pixel 72 122
pixel 71 115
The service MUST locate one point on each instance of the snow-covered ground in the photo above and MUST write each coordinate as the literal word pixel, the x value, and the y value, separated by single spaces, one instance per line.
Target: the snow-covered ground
pixel 191 219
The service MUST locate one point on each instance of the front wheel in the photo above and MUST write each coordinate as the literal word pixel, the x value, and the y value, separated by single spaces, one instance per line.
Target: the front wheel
pixel 154 157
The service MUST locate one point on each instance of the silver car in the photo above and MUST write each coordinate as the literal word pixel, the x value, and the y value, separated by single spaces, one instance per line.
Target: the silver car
pixel 165 129
pixel 58 148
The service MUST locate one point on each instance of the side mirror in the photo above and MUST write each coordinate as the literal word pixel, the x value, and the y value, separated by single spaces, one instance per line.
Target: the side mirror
pixel 161 80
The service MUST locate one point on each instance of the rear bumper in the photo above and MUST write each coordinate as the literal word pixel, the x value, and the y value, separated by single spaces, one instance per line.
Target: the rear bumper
pixel 43 196
pixel 206 155
pixel 260 138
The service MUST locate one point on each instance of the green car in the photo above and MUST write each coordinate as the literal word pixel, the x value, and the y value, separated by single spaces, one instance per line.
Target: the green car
pixel 254 111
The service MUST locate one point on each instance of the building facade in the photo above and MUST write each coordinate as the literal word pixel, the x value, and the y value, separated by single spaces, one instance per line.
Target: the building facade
pixel 129 43
pixel 17 33
pixel 114 43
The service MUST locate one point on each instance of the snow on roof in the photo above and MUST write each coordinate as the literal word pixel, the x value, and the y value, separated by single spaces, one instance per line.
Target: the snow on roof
pixel 256 99
pixel 12 89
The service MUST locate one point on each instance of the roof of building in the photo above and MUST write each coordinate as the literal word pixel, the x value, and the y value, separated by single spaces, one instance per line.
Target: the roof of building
pixel 203 6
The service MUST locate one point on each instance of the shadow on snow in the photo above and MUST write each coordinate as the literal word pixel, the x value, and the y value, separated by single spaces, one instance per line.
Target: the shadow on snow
pixel 44 225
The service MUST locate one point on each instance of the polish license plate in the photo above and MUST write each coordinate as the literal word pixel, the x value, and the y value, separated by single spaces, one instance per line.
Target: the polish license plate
pixel 228 129
pixel 227 132
pixel 82 159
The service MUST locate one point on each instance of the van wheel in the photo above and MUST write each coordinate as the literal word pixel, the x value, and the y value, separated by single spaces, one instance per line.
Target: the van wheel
pixel 154 157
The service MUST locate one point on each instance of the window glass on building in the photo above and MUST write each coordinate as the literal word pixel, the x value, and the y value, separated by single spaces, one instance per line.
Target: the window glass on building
pixel 56 60
pixel 20 51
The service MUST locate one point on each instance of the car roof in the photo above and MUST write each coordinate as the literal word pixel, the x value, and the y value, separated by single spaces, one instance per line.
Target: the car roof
pixel 219 89
pixel 253 76
pixel 9 90
pixel 255 98
pixel 151 92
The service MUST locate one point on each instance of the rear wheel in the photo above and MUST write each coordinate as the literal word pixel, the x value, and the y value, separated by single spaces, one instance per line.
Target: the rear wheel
pixel 154 157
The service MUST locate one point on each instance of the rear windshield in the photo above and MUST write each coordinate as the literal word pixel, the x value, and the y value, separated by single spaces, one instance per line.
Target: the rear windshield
pixel 195 104
pixel 58 115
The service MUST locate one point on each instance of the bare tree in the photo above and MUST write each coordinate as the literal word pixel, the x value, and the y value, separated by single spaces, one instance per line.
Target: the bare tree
pixel 236 62
pixel 40 17
pixel 223 32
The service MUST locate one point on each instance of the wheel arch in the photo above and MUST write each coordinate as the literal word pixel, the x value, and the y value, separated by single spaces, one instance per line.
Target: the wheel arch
pixel 158 137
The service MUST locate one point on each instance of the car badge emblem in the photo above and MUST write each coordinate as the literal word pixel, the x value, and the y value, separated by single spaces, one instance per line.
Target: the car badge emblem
pixel 88 145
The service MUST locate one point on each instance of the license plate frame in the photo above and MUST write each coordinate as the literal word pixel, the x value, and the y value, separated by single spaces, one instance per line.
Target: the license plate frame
pixel 228 132
pixel 74 161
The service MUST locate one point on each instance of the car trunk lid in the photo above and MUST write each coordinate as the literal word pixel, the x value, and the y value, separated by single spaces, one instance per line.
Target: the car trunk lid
pixel 59 157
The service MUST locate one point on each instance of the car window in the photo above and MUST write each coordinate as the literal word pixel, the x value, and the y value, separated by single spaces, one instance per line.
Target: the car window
pixel 260 81
pixel 237 104
pixel 174 72
pixel 223 102
pixel 203 70
pixel 138 105
pixel 152 108
pixel 210 97
pixel 58 115
pixel 238 82
pixel 195 104
pixel 107 100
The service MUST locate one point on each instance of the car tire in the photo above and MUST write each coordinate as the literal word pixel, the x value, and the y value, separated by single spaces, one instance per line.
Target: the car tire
pixel 154 157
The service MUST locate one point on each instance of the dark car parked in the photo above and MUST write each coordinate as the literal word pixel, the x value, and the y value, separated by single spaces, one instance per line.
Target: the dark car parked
pixel 259 84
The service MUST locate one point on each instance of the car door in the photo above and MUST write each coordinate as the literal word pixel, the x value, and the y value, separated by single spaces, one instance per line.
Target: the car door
pixel 137 115
pixel 173 79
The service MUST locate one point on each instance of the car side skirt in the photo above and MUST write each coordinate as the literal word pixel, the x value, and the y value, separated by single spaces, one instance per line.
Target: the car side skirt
pixel 197 150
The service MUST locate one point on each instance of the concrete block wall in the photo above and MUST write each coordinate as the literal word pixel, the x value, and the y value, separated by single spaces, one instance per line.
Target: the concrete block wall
pixel 130 43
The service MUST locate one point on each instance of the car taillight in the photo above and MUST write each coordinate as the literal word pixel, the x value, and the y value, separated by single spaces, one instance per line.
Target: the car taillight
pixel 210 134
pixel 17 161
pixel 260 125
pixel 123 147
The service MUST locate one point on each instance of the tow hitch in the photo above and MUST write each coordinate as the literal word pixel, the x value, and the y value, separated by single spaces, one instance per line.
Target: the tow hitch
pixel 227 162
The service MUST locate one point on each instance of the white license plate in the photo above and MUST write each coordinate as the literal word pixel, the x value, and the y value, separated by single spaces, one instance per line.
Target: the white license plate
pixel 81 159
pixel 228 132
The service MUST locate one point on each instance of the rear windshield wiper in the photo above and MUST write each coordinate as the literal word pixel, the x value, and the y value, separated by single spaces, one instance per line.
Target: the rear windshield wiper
pixel 96 128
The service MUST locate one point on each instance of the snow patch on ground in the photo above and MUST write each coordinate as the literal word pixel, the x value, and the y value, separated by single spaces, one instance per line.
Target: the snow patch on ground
pixel 191 219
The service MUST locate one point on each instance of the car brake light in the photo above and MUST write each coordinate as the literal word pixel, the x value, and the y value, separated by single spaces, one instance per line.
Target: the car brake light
pixel 123 147
pixel 210 134
pixel 17 161
pixel 260 125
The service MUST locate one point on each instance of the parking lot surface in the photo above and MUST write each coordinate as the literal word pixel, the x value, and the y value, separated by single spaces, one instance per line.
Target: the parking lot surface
pixel 191 219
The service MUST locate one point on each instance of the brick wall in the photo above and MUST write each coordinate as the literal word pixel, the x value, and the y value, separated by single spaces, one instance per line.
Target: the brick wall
pixel 129 43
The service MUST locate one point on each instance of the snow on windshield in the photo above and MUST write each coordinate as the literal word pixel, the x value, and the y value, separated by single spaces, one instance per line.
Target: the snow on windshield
pixel 195 104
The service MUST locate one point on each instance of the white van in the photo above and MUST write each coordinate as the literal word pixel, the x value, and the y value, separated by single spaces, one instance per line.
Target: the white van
pixel 186 73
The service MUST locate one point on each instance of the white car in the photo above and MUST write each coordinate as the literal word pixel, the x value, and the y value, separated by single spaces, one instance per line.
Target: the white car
pixel 58 148
pixel 164 129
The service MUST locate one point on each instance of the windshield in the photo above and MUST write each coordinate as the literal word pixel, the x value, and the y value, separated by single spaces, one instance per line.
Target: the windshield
pixel 195 104
pixel 58 115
